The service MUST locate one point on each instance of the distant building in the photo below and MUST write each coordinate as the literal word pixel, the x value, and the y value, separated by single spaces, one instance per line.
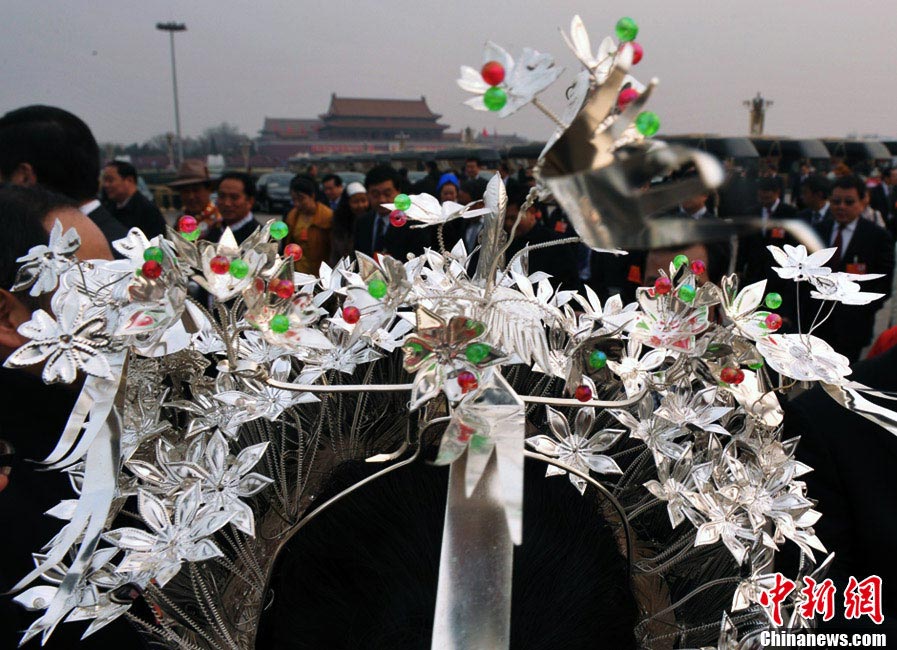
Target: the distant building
pixel 350 118
pixel 358 125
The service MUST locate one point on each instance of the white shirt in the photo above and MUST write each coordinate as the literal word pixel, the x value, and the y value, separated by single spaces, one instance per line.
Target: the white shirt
pixel 767 212
pixel 700 214
pixel 89 207
pixel 846 235
pixel 242 222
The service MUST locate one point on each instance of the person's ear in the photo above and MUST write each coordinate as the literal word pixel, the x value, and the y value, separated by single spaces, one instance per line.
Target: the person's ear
pixel 12 314
pixel 23 174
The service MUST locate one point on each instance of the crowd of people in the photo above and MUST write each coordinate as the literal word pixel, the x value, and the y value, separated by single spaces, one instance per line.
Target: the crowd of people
pixel 51 169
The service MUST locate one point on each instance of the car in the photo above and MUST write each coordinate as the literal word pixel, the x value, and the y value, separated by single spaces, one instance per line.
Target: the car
pixel 273 192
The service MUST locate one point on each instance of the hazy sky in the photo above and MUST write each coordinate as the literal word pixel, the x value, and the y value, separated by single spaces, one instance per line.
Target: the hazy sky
pixel 827 64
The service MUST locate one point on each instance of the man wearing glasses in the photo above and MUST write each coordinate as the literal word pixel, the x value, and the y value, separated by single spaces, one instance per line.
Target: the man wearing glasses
pixel 861 248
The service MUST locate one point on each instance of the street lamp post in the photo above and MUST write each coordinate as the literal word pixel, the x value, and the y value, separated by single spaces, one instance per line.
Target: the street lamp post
pixel 171 28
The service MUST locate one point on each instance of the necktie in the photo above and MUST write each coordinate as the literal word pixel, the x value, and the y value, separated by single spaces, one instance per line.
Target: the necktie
pixel 379 233
pixel 835 262
pixel 817 217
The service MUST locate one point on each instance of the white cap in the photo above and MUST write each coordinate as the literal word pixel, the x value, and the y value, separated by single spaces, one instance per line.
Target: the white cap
pixel 354 188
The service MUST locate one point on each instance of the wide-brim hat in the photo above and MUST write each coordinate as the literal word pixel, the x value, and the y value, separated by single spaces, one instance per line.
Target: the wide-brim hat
pixel 191 172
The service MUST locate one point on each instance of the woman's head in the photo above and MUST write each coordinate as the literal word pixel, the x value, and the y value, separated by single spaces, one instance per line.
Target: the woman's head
pixel 358 199
pixel 303 192
pixel 447 188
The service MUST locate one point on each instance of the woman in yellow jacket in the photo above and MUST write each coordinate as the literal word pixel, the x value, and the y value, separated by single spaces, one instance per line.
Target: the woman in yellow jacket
pixel 309 223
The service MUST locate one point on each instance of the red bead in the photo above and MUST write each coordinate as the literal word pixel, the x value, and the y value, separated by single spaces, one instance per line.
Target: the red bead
pixel 219 264
pixel 583 393
pixel 626 97
pixel 662 286
pixel 294 251
pixel 773 321
pixel 151 269
pixel 187 224
pixel 732 376
pixel 698 267
pixel 464 432
pixel 467 380
pixel 637 51
pixel 282 288
pixel 397 219
pixel 351 314
pixel 493 73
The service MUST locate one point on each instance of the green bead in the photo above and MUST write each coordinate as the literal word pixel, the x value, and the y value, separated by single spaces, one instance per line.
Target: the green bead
pixel 756 365
pixel 647 123
pixel 477 352
pixel 686 293
pixel 402 202
pixel 479 443
pixel 476 327
pixel 153 254
pixel 495 98
pixel 679 260
pixel 279 230
pixel 773 300
pixel 193 235
pixel 598 359
pixel 377 288
pixel 626 29
pixel 413 347
pixel 239 269
pixel 279 323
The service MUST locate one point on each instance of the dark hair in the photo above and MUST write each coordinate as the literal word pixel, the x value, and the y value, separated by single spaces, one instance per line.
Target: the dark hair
pixel 474 188
pixel 57 144
pixel 817 184
pixel 23 211
pixel 371 562
pixel 243 177
pixel 382 173
pixel 475 159
pixel 851 182
pixel 303 184
pixel 337 180
pixel 124 169
pixel 518 196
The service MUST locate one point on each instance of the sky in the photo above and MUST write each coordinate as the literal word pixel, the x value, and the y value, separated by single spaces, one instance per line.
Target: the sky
pixel 827 65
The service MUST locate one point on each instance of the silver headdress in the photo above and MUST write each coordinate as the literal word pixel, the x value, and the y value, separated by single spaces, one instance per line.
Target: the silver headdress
pixel 220 426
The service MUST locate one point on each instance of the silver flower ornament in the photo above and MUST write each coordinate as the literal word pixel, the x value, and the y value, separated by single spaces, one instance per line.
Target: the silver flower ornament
pixel 173 540
pixel 66 345
pixel 579 449
pixel 532 73
pixel 795 264
pixel 43 264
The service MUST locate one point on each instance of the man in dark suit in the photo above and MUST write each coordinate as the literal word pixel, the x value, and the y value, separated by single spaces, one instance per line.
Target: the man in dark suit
pixel 854 482
pixel 883 197
pixel 373 231
pixel 862 247
pixel 754 260
pixel 798 179
pixel 814 193
pixel 236 198
pixel 128 205
pixel 558 261
pixel 45 145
